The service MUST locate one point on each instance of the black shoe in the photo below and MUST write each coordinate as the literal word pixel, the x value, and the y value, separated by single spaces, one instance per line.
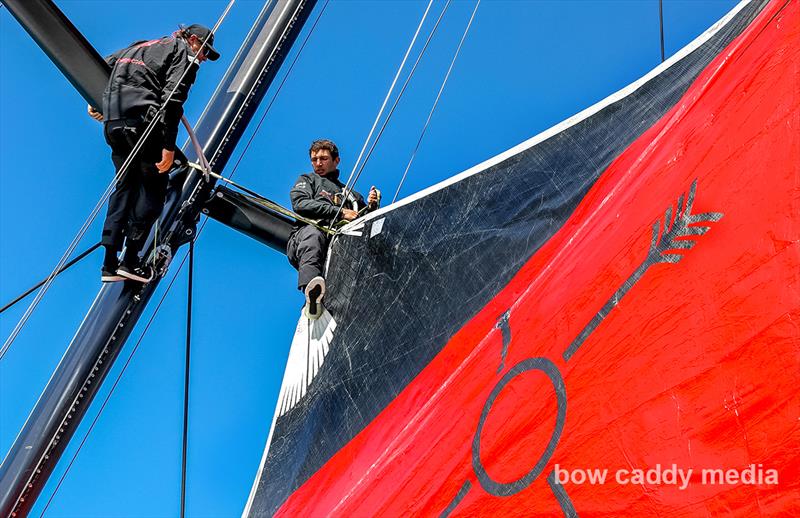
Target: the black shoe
pixel 110 275
pixel 143 274
pixel 315 290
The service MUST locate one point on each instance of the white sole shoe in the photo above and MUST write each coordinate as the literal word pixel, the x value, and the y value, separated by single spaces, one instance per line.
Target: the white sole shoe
pixel 143 274
pixel 107 276
pixel 315 291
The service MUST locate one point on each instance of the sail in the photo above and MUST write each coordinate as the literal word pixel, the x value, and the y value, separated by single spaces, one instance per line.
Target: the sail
pixel 619 293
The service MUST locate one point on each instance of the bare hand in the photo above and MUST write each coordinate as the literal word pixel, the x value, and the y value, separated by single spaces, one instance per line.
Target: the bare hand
pixel 374 197
pixel 349 214
pixel 167 157
pixel 96 115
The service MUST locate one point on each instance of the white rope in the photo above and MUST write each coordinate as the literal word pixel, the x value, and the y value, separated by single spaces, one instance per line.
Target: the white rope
pixel 400 94
pixel 385 100
pixel 198 149
pixel 436 102
pixel 76 240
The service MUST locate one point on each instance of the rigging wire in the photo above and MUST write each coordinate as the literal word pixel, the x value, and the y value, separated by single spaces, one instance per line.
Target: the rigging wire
pixel 185 439
pixel 383 106
pixel 63 269
pixel 436 102
pixel 85 227
pixel 661 25
pixel 399 96
pixel 278 90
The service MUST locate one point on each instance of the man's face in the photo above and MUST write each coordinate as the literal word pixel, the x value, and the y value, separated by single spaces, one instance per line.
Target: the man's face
pixel 196 44
pixel 323 163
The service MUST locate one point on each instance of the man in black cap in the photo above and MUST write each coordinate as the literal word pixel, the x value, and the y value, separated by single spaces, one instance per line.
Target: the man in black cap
pixel 149 80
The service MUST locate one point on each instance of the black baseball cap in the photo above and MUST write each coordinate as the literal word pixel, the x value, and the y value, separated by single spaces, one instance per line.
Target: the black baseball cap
pixel 205 35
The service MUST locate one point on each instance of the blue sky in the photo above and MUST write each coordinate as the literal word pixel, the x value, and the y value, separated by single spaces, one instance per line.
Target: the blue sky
pixel 525 66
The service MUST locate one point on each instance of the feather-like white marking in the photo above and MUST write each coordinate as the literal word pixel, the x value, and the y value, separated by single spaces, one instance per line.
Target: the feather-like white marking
pixel 310 345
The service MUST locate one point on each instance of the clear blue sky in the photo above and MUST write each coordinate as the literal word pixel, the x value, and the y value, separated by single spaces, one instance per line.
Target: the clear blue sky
pixel 526 65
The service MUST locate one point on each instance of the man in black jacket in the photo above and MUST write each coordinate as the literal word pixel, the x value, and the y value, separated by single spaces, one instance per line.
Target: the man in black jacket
pixel 319 196
pixel 148 79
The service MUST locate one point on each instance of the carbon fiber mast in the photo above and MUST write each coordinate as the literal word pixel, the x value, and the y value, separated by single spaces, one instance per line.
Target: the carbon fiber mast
pixel 118 306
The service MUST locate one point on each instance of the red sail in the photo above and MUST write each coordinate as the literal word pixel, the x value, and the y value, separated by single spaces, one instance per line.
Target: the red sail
pixel 644 360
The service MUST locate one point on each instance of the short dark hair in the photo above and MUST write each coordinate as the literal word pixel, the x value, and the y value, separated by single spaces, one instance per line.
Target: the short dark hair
pixel 319 145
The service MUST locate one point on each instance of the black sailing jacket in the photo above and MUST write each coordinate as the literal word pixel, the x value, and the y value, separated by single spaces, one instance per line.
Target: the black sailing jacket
pixel 318 197
pixel 142 77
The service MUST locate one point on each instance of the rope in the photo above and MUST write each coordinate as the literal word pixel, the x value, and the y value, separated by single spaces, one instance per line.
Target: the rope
pixel 400 95
pixel 198 149
pixel 385 100
pixel 186 379
pixel 65 268
pixel 661 25
pixel 436 102
pixel 71 248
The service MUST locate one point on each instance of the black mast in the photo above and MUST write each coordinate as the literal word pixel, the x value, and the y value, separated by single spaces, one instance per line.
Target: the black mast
pixel 118 306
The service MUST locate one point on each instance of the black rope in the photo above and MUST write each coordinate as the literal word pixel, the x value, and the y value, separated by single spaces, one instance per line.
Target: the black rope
pixel 186 379
pixel 63 268
pixel 116 382
pixel 661 25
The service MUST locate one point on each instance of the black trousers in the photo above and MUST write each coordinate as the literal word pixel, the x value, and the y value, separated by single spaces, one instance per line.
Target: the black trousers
pixel 306 251
pixel 138 196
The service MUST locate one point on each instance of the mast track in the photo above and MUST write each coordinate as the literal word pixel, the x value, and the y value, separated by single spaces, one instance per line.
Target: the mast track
pixel 75 408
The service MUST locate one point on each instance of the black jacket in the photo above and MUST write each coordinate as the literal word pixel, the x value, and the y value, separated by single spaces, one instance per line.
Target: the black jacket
pixel 142 77
pixel 317 197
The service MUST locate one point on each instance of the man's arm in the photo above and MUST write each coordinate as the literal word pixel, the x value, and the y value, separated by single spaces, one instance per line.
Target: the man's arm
pixel 372 203
pixel 110 60
pixel 180 76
